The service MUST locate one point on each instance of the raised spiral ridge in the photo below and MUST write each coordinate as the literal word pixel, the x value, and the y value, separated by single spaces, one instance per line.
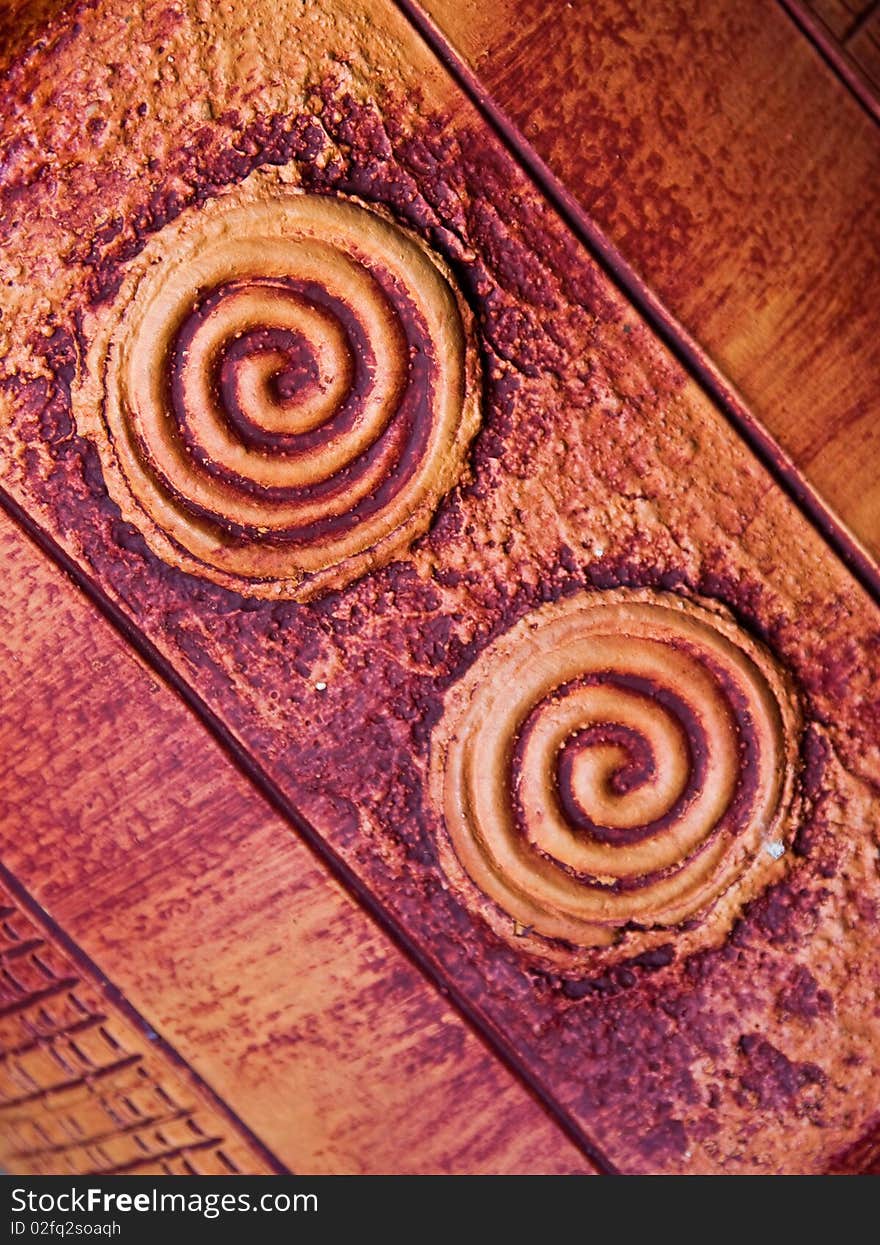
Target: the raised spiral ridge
pixel 287 388
pixel 615 762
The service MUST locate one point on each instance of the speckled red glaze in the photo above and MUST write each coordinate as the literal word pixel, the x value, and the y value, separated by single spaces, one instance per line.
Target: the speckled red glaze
pixel 599 466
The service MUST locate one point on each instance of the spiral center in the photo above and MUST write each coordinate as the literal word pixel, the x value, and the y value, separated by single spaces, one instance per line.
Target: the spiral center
pixel 610 761
pixel 285 362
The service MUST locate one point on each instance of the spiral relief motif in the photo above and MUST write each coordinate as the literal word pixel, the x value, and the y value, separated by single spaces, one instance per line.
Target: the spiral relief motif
pixel 613 764
pixel 287 389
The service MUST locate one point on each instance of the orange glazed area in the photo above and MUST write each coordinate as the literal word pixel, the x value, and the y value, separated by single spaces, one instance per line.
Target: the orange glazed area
pixel 528 646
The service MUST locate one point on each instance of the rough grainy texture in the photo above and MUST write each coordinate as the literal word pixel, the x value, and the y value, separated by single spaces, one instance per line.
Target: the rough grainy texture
pixel 738 176
pixel 599 465
pixel 130 826
pixel 22 22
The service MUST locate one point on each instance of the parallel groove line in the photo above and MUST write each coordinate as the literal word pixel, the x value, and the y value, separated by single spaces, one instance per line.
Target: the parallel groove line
pixel 834 56
pixel 161 1157
pixel 21 948
pixel 670 331
pixel 38 996
pixel 124 1129
pixel 52 1035
pixel 63 1087
pixel 276 798
pixel 861 21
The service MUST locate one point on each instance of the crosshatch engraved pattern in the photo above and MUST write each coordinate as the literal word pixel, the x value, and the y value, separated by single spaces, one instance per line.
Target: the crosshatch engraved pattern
pixel 81 1091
